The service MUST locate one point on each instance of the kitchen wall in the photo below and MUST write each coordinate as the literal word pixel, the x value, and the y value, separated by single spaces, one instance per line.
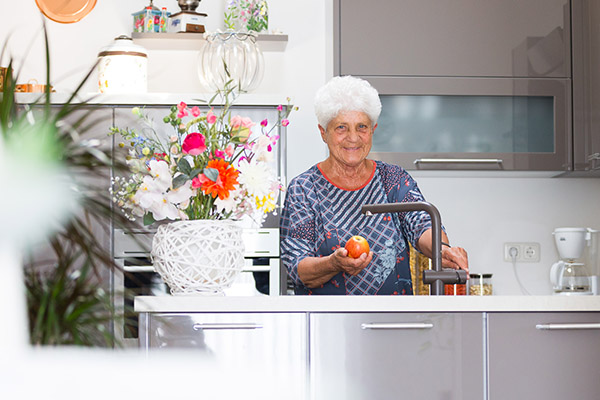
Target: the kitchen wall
pixel 480 212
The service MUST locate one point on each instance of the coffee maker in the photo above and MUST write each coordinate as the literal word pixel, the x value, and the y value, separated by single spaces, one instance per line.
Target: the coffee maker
pixel 577 247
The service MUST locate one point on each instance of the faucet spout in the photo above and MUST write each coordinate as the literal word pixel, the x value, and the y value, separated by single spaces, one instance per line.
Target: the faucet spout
pixel 435 277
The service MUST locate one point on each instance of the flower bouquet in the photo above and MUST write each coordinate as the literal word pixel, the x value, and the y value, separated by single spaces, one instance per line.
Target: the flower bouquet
pixel 214 168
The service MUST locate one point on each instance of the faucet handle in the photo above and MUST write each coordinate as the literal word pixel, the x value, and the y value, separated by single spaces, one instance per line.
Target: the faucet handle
pixel 447 275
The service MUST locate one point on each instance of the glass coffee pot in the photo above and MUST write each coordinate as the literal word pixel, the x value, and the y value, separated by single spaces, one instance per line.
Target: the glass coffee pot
pixel 572 278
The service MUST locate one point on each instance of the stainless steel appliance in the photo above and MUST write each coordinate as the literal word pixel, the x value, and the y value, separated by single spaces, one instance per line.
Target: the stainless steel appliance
pixel 137 277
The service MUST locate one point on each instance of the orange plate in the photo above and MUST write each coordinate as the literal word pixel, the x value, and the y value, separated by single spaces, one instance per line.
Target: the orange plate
pixel 65 11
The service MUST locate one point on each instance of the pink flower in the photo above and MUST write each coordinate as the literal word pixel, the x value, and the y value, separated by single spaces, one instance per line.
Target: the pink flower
pixel 219 153
pixel 229 150
pixel 241 127
pixel 285 122
pixel 210 117
pixel 279 107
pixel 196 111
pixel 182 110
pixel 193 144
pixel 274 140
pixel 264 122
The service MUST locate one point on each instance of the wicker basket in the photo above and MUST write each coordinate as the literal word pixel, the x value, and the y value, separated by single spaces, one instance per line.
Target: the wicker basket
pixel 201 257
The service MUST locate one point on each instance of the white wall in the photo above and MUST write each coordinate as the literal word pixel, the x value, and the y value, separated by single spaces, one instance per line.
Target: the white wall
pixel 480 213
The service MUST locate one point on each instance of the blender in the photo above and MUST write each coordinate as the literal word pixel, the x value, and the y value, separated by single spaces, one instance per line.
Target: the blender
pixel 570 276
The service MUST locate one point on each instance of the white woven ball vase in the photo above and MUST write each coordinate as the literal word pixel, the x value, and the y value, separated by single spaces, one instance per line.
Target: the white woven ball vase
pixel 201 257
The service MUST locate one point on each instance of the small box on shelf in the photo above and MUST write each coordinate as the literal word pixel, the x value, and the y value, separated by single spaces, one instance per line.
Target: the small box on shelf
pixel 187 21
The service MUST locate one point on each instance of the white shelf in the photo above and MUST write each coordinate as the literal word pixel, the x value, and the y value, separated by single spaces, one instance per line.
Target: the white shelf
pixel 194 41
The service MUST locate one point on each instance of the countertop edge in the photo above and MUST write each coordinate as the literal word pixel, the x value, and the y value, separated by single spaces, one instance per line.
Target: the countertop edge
pixel 186 304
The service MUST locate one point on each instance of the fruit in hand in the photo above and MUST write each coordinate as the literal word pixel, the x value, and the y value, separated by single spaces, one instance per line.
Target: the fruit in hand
pixel 357 245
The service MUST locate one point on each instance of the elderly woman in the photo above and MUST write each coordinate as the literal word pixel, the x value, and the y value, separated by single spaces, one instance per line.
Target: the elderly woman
pixel 322 206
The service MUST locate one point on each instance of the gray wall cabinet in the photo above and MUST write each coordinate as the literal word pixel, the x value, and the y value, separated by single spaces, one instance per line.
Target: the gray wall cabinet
pixel 586 86
pixel 467 84
pixel 492 38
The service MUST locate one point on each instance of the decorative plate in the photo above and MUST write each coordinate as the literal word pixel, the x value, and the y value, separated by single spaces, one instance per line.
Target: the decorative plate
pixel 65 11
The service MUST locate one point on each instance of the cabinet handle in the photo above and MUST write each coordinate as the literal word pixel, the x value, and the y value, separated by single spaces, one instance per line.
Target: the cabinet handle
pixel 595 156
pixel 233 325
pixel 398 325
pixel 553 327
pixel 458 161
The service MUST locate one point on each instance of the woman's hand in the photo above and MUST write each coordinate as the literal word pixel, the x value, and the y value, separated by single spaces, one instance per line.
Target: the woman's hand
pixel 351 266
pixel 452 257
pixel 455 258
pixel 316 271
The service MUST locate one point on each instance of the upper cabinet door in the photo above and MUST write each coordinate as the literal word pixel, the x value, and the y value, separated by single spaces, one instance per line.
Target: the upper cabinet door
pixel 466 38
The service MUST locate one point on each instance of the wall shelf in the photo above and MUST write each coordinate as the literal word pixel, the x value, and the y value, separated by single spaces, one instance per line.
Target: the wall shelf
pixel 193 41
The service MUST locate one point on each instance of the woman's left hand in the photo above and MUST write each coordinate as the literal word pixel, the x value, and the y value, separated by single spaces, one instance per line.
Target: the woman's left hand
pixel 455 258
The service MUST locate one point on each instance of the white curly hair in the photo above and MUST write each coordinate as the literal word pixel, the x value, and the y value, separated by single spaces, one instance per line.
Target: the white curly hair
pixel 343 94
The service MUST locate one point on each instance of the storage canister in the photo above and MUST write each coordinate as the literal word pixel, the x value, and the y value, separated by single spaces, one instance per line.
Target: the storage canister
pixel 480 284
pixel 123 67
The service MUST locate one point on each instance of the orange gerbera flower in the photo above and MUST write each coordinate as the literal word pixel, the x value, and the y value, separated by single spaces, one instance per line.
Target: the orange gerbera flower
pixel 224 183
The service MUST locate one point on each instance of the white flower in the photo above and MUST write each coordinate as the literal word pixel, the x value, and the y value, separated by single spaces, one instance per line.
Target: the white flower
pixel 180 195
pixel 148 193
pixel 231 202
pixel 164 209
pixel 255 177
pixel 161 172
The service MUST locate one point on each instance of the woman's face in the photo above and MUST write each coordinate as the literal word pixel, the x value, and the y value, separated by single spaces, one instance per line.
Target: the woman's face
pixel 349 137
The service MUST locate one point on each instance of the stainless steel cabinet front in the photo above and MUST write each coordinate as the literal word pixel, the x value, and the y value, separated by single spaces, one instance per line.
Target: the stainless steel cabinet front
pixel 544 356
pixel 393 355
pixel 269 348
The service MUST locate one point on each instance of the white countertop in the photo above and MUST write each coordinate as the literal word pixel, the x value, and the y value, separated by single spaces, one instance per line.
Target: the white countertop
pixel 175 304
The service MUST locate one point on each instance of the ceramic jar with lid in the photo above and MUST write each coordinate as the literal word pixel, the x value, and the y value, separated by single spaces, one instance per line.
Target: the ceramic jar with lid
pixel 123 67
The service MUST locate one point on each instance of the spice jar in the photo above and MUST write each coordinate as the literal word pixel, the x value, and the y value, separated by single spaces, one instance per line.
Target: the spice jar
pixel 455 290
pixel 480 284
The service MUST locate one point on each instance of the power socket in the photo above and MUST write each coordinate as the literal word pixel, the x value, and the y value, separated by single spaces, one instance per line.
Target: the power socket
pixel 526 251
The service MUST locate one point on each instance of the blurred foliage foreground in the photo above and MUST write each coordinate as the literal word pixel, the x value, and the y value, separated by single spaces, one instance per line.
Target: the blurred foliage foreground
pixel 54 177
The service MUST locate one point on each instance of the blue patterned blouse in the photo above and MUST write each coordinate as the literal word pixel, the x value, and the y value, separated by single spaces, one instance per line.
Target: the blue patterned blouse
pixel 319 217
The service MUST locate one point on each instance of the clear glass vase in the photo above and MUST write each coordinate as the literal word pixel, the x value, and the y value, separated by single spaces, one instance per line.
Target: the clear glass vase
pixel 231 56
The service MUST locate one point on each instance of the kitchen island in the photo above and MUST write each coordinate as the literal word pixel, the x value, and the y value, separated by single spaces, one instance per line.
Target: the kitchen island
pixel 372 347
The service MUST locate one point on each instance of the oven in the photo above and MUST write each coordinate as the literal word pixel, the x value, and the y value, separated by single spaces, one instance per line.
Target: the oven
pixel 262 274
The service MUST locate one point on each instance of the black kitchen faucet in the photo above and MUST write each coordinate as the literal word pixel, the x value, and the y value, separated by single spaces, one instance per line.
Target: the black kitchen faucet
pixel 437 276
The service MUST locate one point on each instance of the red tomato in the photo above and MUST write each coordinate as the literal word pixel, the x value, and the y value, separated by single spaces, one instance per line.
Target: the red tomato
pixel 357 245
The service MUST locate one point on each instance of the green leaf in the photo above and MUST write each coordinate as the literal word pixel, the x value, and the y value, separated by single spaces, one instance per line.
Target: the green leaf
pixel 149 219
pixel 180 180
pixel 184 166
pixel 211 173
pixel 195 172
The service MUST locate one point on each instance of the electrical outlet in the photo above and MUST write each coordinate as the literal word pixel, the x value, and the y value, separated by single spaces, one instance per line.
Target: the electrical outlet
pixel 526 252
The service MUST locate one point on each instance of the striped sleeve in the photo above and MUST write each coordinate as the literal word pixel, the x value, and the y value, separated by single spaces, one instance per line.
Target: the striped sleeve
pixel 297 227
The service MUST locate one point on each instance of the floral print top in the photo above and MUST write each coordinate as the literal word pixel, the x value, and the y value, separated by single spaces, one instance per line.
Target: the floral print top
pixel 318 217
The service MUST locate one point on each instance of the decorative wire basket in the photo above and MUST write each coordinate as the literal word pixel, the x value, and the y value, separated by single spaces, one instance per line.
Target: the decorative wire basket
pixel 201 257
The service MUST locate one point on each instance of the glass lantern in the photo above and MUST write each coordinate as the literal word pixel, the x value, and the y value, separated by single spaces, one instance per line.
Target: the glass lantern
pixel 229 56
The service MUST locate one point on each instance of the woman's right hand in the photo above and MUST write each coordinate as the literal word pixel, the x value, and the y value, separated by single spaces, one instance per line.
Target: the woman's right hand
pixel 348 265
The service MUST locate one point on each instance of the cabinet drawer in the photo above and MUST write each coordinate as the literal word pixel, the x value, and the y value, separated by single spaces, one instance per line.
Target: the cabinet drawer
pixel 392 355
pixel 544 355
pixel 271 347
